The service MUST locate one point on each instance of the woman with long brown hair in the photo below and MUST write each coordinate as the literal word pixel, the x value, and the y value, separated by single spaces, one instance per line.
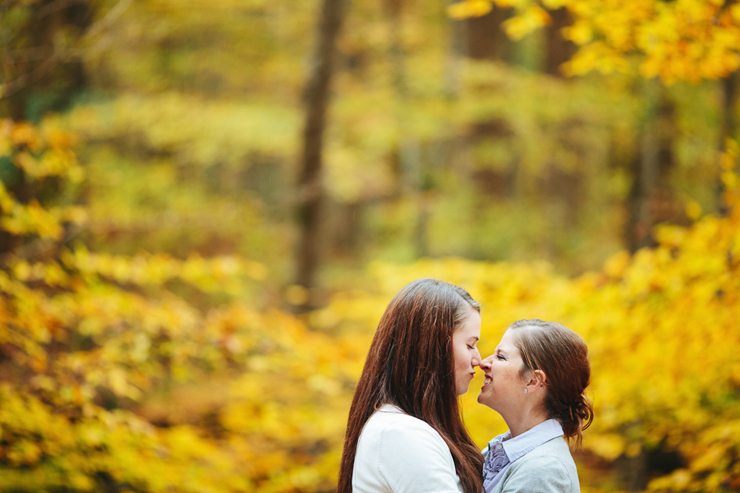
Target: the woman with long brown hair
pixel 536 380
pixel 405 433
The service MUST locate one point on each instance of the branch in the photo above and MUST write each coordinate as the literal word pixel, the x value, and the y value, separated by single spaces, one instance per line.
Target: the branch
pixel 29 78
pixel 55 7
pixel 39 247
pixel 59 56
pixel 5 5
pixel 109 18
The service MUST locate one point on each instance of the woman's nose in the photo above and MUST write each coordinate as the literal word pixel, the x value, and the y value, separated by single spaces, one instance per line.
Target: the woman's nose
pixel 476 358
pixel 485 364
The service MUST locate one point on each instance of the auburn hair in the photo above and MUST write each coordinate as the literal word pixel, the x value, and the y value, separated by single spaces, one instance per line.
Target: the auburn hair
pixel 411 365
pixel 563 357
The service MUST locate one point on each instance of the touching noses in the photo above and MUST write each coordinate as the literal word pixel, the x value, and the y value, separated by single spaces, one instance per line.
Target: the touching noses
pixel 476 358
pixel 485 364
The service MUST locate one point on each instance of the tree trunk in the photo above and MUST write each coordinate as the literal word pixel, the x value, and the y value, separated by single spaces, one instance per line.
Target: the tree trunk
pixel 50 75
pixel 651 197
pixel 486 39
pixel 46 80
pixel 310 188
pixel 558 50
pixel 728 128
pixel 453 63
pixel 410 163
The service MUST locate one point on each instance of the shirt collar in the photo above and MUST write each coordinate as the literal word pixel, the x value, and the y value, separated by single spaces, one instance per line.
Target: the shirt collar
pixel 529 440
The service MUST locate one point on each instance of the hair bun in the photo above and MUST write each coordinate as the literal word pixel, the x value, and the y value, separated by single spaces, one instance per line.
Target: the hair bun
pixel 581 411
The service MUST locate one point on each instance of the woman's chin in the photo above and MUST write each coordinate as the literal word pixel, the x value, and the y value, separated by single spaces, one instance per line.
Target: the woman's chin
pixel 485 399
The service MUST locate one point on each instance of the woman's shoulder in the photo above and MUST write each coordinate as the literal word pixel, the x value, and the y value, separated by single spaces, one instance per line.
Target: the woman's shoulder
pixel 554 447
pixel 554 452
pixel 556 470
pixel 400 453
pixel 395 424
pixel 390 417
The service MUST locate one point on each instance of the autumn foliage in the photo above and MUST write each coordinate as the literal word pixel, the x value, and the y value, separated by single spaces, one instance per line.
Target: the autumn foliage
pixel 679 40
pixel 150 373
pixel 147 335
pixel 94 344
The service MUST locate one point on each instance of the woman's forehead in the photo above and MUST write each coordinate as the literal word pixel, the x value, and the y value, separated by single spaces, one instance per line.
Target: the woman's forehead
pixel 507 343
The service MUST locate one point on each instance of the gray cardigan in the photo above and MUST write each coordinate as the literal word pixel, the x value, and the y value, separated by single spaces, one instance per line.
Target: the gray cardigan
pixel 548 468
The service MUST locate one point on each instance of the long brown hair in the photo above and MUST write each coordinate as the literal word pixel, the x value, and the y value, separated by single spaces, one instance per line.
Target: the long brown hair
pixel 411 365
pixel 563 356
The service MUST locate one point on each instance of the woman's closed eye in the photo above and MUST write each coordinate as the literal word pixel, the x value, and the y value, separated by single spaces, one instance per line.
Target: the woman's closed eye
pixel 500 357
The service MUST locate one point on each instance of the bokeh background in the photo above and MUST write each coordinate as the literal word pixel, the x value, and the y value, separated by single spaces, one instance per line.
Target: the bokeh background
pixel 206 206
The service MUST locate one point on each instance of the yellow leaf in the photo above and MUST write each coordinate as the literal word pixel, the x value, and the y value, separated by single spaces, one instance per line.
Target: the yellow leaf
pixel 525 22
pixel 469 8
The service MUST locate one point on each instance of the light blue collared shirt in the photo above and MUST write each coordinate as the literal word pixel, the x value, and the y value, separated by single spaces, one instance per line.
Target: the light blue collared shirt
pixel 503 450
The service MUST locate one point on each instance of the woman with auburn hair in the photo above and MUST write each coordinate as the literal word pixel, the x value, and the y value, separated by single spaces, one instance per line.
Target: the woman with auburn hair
pixel 405 433
pixel 535 380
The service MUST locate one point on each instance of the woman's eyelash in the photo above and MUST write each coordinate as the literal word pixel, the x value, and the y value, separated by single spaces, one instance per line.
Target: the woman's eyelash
pixel 500 357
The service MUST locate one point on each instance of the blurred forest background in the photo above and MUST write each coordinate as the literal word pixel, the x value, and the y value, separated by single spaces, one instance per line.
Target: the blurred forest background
pixel 206 206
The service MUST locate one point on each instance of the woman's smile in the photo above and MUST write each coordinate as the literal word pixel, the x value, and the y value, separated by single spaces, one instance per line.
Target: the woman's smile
pixel 505 391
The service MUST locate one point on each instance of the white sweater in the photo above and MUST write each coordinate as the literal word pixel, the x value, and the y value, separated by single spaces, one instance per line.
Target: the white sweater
pixel 397 453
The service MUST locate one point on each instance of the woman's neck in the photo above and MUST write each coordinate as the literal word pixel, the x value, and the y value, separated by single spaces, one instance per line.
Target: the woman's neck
pixel 522 422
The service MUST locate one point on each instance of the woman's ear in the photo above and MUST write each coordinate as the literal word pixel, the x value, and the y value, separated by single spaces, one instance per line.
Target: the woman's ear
pixel 536 381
